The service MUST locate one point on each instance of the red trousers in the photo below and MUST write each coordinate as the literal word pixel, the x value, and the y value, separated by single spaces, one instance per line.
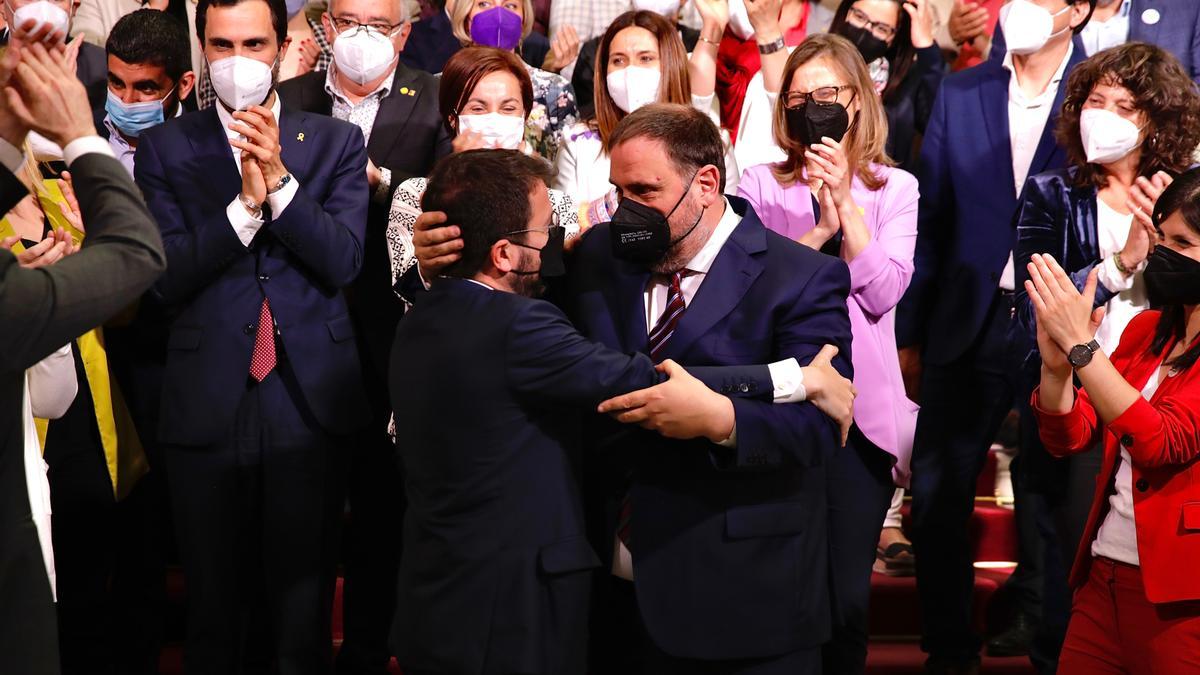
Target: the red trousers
pixel 1115 629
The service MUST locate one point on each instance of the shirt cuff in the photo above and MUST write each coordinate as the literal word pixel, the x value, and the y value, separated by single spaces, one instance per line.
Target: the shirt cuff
pixel 730 442
pixel 787 381
pixel 282 197
pixel 85 145
pixel 245 226
pixel 1112 278
pixel 11 157
pixel 383 191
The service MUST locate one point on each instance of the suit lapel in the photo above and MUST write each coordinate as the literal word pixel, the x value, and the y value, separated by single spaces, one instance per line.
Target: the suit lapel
pixel 394 112
pixel 214 156
pixel 1048 145
pixel 993 99
pixel 627 297
pixel 292 137
pixel 733 271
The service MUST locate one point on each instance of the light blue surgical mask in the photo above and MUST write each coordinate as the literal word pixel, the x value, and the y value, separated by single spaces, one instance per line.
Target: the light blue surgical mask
pixel 132 119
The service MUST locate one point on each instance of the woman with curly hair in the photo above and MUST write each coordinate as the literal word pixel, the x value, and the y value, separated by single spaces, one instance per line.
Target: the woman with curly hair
pixel 1130 121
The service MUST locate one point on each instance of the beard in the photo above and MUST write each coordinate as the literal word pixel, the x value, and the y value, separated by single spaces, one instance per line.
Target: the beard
pixel 686 248
pixel 528 284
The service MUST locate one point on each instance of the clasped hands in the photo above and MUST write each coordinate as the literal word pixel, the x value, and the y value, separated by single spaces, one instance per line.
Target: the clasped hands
pixel 262 166
pixel 1066 317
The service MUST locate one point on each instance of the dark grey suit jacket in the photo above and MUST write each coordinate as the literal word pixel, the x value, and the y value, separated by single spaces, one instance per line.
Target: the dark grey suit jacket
pixel 41 310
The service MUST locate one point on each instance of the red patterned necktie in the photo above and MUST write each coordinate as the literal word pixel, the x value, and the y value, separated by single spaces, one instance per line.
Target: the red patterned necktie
pixel 659 335
pixel 262 361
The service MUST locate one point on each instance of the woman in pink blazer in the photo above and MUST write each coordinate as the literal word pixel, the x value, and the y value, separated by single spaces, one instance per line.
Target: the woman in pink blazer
pixel 832 125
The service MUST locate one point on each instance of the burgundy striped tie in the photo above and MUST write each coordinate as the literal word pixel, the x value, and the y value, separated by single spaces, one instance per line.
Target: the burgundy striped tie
pixel 659 335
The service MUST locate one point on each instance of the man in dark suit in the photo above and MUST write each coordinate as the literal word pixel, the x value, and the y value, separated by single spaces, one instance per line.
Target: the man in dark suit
pixel 496 570
pixel 44 309
pixel 263 384
pixel 397 110
pixel 992 126
pixel 725 541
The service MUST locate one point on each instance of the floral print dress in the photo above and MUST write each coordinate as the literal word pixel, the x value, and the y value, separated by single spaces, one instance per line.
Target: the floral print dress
pixel 553 112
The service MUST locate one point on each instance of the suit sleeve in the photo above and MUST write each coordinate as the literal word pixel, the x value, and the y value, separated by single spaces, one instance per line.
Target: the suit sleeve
pixel 327 237
pixel 550 360
pixel 195 255
pixel 935 207
pixel 122 255
pixel 1042 228
pixel 770 434
pixel 931 68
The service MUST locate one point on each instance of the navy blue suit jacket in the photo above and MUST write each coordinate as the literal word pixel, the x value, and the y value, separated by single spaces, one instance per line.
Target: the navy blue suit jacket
pixel 489 390
pixel 729 545
pixel 1177 31
pixel 965 227
pixel 300 260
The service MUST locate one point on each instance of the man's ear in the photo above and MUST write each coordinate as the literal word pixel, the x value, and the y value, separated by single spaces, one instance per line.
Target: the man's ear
pixel 283 47
pixel 1081 10
pixel 401 38
pixel 503 256
pixel 709 180
pixel 186 82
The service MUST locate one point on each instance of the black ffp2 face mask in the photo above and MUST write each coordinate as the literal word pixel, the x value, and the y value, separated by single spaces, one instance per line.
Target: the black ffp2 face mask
pixel 552 264
pixel 871 47
pixel 813 121
pixel 642 235
pixel 1172 278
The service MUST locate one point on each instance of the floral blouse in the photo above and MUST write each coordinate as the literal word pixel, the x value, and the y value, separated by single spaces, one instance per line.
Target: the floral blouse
pixel 406 207
pixel 553 112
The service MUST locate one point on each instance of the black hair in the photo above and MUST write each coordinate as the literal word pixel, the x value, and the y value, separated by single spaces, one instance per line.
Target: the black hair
pixel 900 54
pixel 1182 197
pixel 486 194
pixel 279 18
pixel 148 36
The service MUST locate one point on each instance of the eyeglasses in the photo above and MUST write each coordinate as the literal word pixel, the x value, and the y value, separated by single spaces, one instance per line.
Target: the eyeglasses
pixel 822 95
pixel 879 29
pixel 549 230
pixel 343 24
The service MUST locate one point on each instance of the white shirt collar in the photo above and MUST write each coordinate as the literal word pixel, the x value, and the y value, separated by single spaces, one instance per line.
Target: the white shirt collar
pixel 1017 95
pixel 703 260
pixel 226 117
pixel 334 89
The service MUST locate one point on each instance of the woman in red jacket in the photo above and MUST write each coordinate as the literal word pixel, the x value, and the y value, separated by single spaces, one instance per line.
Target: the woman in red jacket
pixel 1137 573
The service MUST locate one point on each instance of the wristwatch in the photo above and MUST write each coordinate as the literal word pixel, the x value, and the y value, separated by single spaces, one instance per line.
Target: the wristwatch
pixel 1081 355
pixel 287 178
pixel 771 47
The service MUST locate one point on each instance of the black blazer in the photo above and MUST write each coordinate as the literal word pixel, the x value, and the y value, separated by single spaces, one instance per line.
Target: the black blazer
pixel 909 107
pixel 408 137
pixel 494 577
pixel 41 311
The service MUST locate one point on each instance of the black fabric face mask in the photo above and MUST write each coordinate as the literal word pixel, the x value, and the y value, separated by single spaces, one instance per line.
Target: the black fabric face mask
pixel 1172 278
pixel 642 235
pixel 553 264
pixel 813 121
pixel 871 47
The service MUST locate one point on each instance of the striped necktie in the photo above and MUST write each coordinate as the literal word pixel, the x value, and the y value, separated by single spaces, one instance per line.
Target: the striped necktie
pixel 665 327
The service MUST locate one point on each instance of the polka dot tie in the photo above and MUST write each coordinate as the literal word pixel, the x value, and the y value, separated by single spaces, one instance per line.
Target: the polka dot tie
pixel 262 361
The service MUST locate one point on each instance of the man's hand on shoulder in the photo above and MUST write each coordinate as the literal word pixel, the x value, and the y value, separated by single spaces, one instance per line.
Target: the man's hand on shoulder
pixel 827 389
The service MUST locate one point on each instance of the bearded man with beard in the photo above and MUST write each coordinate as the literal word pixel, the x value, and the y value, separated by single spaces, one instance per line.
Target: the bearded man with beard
pixel 262 390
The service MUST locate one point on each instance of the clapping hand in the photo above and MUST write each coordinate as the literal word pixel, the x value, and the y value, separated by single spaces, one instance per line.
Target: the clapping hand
pixel 261 131
pixel 682 407
pixel 564 47
pixel 968 20
pixel 827 163
pixel 1144 194
pixel 713 14
pixel 56 246
pixel 44 95
pixel 764 17
pixel 1065 315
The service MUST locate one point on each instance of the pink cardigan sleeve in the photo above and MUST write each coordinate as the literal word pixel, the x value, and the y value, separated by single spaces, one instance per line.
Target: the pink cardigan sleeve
pixel 881 272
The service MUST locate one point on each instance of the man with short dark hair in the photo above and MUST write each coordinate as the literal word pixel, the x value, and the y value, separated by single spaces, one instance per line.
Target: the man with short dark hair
pixel 149 61
pixel 490 385
pixel 723 537
pixel 263 388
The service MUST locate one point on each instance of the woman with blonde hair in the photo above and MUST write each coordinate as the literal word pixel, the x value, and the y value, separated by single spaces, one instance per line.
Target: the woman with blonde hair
pixel 506 25
pixel 837 191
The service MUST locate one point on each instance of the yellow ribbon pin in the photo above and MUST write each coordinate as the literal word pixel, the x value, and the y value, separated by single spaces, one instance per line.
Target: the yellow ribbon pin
pixel 300 136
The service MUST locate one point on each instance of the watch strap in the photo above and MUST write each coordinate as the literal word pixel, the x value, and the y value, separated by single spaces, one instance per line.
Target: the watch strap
pixel 287 178
pixel 775 45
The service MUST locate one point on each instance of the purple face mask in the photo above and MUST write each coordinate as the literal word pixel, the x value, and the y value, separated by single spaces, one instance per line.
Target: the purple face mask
pixel 497 27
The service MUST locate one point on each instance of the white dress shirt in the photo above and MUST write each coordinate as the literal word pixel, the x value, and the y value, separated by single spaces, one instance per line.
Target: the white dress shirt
pixel 12 157
pixel 244 224
pixel 1117 537
pixel 1100 35
pixel 1027 119
pixel 362 115
pixel 1130 298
